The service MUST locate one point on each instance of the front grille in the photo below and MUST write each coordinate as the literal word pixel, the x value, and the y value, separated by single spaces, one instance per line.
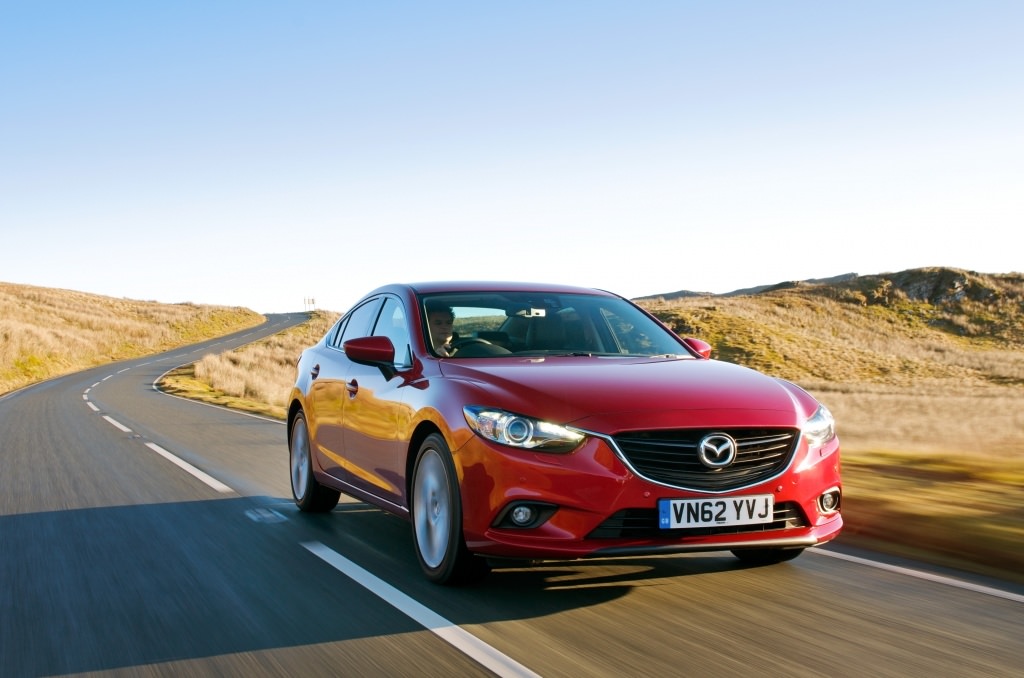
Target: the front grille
pixel 643 524
pixel 670 457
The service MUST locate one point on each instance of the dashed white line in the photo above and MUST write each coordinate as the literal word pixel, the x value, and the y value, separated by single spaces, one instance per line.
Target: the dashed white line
pixel 265 515
pixel 177 461
pixel 116 424
pixel 462 640
pixel 189 468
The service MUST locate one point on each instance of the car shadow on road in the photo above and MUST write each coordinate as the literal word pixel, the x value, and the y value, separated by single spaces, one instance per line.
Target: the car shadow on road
pixel 99 589
pixel 513 590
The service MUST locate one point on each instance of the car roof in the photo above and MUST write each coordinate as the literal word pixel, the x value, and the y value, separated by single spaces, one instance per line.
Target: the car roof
pixel 436 287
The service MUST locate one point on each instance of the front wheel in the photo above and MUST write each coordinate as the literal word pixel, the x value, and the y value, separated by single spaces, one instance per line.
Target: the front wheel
pixel 310 495
pixel 437 518
pixel 766 556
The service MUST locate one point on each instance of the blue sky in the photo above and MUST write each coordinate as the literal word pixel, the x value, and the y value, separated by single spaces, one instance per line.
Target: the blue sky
pixel 259 153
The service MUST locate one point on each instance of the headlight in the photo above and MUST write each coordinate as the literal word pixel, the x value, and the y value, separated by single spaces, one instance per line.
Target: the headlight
pixel 516 430
pixel 820 428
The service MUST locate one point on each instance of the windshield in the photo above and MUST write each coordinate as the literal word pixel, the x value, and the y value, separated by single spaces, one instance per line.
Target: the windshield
pixel 474 325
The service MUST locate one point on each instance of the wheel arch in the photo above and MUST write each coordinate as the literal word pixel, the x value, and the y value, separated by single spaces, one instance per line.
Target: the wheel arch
pixel 419 434
pixel 295 407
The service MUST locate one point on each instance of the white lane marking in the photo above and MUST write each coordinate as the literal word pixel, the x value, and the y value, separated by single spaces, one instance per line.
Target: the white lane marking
pixel 462 640
pixel 124 370
pixel 109 376
pixel 264 515
pixel 85 396
pixel 117 424
pixel 94 385
pixel 189 468
pixel 927 576
pixel 93 407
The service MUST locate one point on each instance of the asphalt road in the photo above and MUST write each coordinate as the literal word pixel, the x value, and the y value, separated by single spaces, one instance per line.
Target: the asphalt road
pixel 142 534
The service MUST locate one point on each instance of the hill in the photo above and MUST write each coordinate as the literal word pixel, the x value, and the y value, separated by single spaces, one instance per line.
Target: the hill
pixel 682 294
pixel 891 329
pixel 48 332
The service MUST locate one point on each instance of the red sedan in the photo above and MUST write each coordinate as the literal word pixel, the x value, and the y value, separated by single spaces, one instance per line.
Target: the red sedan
pixel 518 421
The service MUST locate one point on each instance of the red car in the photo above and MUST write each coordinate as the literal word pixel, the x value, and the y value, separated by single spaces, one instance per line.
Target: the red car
pixel 531 422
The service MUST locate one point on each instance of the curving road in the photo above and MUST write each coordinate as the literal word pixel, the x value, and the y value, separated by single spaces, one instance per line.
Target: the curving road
pixel 148 535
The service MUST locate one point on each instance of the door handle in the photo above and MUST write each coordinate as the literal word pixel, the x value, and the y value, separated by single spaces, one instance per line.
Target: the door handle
pixel 315 372
pixel 352 387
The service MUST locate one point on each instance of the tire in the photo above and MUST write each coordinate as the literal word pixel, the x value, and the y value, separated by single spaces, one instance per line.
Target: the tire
pixel 766 556
pixel 437 518
pixel 310 496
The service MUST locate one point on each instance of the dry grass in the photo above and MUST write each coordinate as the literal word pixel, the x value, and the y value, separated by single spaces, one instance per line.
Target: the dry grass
pixel 256 377
pixel 45 332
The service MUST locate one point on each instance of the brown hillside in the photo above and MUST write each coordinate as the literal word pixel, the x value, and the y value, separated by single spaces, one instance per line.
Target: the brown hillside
pixel 897 329
pixel 48 332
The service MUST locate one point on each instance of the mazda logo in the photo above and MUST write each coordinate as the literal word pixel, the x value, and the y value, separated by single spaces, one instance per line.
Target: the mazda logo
pixel 717 450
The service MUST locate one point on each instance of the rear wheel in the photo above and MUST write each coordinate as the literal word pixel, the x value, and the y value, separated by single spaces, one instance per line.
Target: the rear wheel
pixel 437 518
pixel 310 495
pixel 766 556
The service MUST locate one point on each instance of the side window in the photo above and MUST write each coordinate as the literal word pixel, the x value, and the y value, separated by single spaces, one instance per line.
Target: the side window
pixel 394 325
pixel 334 336
pixel 357 324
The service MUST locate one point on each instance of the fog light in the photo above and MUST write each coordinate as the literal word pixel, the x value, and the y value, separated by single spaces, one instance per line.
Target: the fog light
pixel 522 515
pixel 828 502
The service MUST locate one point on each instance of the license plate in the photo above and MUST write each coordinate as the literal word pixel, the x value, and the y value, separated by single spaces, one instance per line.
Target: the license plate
pixel 747 510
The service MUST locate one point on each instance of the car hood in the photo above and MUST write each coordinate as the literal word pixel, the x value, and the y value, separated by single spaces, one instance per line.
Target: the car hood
pixel 613 394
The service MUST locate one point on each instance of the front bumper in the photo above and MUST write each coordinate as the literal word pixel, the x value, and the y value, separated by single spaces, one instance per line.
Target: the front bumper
pixel 602 508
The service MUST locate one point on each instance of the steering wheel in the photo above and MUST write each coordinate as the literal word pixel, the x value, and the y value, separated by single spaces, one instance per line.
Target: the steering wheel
pixel 459 343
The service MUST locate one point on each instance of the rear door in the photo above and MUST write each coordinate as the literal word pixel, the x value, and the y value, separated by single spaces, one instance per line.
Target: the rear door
pixel 328 393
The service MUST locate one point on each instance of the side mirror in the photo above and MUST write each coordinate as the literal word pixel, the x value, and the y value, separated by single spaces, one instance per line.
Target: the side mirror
pixel 701 348
pixel 378 351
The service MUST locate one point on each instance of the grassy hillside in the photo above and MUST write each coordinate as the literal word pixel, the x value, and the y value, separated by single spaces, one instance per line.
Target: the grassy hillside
pixel 46 332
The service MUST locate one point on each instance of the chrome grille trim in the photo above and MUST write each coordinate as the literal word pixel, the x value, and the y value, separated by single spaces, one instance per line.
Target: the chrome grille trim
pixel 670 457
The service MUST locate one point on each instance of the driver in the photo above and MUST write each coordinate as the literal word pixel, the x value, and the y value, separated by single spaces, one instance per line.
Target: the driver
pixel 440 322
